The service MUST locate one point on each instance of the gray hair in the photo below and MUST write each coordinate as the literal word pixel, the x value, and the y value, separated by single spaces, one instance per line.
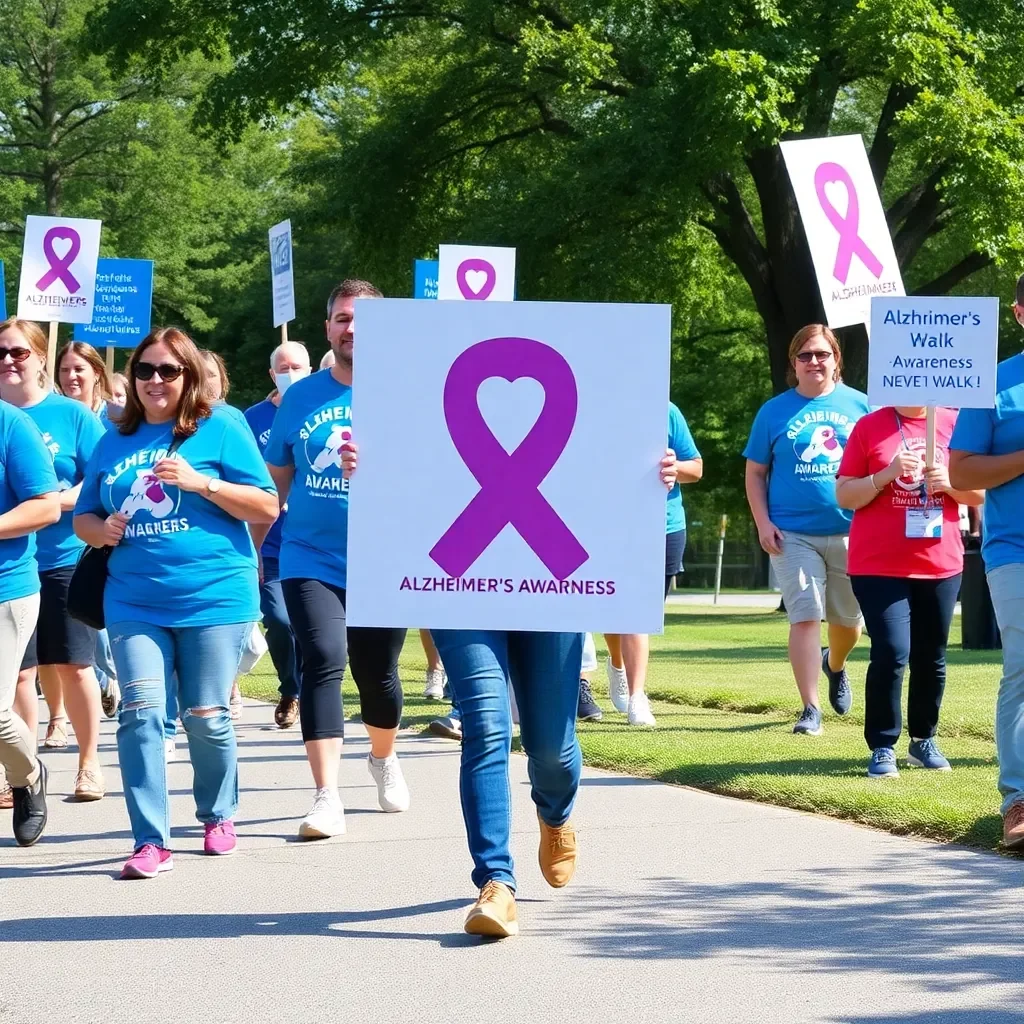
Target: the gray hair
pixel 284 345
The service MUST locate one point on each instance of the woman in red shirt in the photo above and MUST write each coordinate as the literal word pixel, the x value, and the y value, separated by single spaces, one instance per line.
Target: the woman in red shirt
pixel 906 558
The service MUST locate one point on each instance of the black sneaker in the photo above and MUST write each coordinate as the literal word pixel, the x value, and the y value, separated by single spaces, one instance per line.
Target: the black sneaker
pixel 30 810
pixel 809 723
pixel 840 696
pixel 586 708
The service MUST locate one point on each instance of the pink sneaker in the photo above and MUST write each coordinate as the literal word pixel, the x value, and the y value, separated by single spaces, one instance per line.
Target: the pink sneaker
pixel 147 862
pixel 220 838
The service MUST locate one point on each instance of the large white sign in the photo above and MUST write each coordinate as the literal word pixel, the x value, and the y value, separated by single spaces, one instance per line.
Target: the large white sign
pixel 934 351
pixel 509 466
pixel 282 281
pixel 845 225
pixel 58 269
pixel 482 272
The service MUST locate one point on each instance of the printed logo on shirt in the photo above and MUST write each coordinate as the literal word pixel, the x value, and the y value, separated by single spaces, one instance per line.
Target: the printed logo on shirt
pixel 323 436
pixel 148 503
pixel 264 438
pixel 53 447
pixel 819 439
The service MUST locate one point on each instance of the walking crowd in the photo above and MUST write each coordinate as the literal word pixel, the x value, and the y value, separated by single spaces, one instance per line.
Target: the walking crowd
pixel 209 522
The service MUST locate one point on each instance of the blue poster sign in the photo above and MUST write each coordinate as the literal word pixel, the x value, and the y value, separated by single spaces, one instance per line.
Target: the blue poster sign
pixel 124 304
pixel 425 279
pixel 3 293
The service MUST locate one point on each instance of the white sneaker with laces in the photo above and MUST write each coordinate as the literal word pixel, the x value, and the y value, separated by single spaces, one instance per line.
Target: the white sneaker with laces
pixel 392 792
pixel 170 751
pixel 640 710
pixel 618 687
pixel 326 817
pixel 435 684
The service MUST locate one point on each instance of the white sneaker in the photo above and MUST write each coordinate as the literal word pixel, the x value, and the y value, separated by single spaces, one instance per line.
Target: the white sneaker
pixel 640 710
pixel 170 751
pixel 435 684
pixel 110 697
pixel 326 817
pixel 392 792
pixel 618 687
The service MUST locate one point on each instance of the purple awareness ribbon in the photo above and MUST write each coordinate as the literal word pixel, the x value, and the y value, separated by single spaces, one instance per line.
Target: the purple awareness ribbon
pixel 60 266
pixel 478 265
pixel 509 483
pixel 850 242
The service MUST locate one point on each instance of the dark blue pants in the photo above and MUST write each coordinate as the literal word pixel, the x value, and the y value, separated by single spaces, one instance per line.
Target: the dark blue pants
pixel 284 651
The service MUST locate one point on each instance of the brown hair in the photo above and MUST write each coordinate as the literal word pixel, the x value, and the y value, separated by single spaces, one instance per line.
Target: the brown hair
pixel 352 288
pixel 801 338
pixel 222 369
pixel 195 404
pixel 93 358
pixel 33 334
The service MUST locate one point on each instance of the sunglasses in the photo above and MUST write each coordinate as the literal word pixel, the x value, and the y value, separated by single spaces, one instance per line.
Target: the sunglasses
pixel 18 355
pixel 821 357
pixel 167 372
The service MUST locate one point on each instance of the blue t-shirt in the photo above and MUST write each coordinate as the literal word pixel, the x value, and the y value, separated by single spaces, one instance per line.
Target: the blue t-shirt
pixel 680 440
pixel 313 422
pixel 182 560
pixel 801 441
pixel 260 418
pixel 999 431
pixel 26 471
pixel 71 432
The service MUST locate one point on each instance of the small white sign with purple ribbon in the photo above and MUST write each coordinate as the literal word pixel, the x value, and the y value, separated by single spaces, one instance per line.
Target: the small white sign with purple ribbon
pixel 512 414
pixel 58 269
pixel 845 225
pixel 484 273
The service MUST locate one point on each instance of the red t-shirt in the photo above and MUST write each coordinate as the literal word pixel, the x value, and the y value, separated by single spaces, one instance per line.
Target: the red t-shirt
pixel 879 545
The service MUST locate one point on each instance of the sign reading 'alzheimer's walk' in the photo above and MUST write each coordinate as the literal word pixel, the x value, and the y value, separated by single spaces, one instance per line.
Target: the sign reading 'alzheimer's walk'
pixel 515 410
pixel 124 304
pixel 58 269
pixel 934 351
pixel 845 225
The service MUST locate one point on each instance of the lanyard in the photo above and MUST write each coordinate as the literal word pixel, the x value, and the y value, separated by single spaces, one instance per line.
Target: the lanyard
pixel 923 490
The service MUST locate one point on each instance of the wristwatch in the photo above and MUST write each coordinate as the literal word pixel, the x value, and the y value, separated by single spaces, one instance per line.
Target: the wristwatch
pixel 213 485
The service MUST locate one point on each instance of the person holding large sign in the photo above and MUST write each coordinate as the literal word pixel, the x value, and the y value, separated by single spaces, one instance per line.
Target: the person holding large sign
pixel 304 455
pixel 987 451
pixel 906 559
pixel 64 648
pixel 795 446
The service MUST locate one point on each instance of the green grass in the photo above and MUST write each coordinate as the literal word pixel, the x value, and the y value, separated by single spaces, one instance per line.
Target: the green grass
pixel 725 700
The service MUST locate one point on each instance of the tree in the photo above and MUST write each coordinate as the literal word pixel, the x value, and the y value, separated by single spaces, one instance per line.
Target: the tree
pixel 613 127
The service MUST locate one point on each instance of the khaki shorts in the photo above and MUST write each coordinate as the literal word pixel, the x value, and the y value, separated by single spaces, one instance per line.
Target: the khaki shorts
pixel 812 576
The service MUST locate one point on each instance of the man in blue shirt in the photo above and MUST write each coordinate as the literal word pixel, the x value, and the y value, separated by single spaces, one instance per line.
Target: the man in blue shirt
pixel 987 451
pixel 289 362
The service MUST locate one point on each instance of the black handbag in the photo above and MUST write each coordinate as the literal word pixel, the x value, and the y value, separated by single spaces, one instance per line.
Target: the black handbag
pixel 89 580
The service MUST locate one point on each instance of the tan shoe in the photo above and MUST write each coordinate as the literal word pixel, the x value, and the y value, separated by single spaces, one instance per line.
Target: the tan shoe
pixel 89 785
pixel 1013 827
pixel 558 853
pixel 56 733
pixel 6 796
pixel 287 712
pixel 494 913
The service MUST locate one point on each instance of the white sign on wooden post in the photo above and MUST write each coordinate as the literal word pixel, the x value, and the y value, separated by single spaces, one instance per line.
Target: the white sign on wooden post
pixel 58 269
pixel 845 225
pixel 481 272
pixel 281 274
pixel 512 410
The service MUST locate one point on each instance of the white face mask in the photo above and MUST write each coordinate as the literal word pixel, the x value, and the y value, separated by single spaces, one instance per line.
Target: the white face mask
pixel 285 380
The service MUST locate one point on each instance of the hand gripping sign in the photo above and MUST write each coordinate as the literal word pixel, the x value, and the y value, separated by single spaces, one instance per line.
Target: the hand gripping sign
pixel 505 414
pixel 845 225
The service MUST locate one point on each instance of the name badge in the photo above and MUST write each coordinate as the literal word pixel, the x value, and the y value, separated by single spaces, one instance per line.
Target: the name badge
pixel 924 522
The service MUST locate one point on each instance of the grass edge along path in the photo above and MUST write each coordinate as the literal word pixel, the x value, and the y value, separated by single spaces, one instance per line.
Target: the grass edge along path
pixel 711 662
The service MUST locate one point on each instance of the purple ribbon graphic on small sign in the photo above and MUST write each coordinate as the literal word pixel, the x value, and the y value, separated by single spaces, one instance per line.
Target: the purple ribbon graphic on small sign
pixel 509 483
pixel 60 266
pixel 850 242
pixel 476 267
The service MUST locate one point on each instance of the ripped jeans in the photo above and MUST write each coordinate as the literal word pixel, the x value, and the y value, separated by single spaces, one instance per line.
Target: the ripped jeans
pixel 205 659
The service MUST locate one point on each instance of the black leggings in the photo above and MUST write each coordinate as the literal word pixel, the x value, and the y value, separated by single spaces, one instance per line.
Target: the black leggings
pixel 317 613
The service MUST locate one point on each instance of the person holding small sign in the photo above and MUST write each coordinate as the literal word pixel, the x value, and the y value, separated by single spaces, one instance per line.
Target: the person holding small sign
pixel 906 559
pixel 987 450
pixel 795 446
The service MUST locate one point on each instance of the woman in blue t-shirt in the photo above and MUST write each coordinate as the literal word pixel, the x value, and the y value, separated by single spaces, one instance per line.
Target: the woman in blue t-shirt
pixel 795 446
pixel 62 647
pixel 28 502
pixel 170 490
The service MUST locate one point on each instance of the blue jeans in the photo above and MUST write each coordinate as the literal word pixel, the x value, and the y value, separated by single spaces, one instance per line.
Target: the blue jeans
pixel 544 670
pixel 104 660
pixel 284 651
pixel 205 659
pixel 1006 585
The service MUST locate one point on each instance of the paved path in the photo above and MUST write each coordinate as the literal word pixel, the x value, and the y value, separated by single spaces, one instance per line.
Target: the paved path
pixel 687 907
